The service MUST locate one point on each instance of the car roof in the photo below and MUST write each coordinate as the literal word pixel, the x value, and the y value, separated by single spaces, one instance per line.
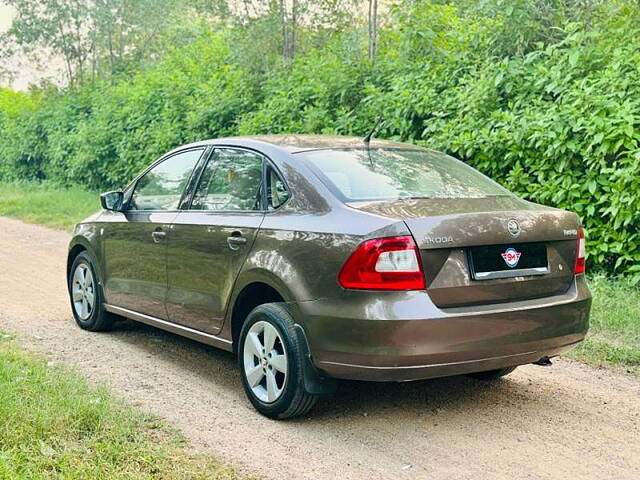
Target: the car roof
pixel 299 143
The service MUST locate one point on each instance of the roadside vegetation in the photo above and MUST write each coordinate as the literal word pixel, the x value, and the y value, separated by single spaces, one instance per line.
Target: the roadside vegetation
pixel 614 334
pixel 53 425
pixel 47 205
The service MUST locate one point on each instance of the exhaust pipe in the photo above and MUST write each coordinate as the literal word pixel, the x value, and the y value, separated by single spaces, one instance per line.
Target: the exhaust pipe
pixel 544 362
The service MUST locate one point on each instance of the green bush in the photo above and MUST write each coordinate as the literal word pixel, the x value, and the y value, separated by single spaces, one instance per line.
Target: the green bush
pixel 541 95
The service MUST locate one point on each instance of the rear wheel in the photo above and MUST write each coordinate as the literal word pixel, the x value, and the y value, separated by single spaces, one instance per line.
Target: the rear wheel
pixel 270 358
pixel 85 293
pixel 492 374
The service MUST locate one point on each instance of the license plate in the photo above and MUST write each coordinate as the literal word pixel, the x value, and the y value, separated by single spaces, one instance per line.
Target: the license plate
pixel 504 261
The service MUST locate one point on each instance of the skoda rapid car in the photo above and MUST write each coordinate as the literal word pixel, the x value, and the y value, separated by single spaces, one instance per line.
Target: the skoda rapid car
pixel 323 258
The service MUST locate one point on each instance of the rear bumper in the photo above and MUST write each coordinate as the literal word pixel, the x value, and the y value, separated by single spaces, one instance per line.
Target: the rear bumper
pixel 402 336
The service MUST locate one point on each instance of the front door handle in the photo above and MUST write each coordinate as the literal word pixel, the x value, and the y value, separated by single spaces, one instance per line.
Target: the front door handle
pixel 158 236
pixel 236 240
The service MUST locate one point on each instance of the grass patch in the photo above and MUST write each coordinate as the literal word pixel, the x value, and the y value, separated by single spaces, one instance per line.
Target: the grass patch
pixel 46 204
pixel 614 335
pixel 54 425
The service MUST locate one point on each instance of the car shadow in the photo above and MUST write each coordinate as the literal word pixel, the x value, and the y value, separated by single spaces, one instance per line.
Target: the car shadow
pixel 210 364
pixel 353 399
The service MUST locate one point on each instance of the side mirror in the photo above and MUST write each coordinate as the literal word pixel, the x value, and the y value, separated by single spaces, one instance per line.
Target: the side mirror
pixel 111 201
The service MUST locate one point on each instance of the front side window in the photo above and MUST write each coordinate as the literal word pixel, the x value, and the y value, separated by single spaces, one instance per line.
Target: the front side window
pixel 230 182
pixel 390 173
pixel 161 187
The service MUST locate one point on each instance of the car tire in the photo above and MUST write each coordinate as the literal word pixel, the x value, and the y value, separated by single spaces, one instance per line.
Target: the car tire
pixel 85 294
pixel 492 374
pixel 273 392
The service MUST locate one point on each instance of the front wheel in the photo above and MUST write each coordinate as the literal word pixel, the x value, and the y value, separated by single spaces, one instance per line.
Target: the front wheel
pixel 85 294
pixel 271 363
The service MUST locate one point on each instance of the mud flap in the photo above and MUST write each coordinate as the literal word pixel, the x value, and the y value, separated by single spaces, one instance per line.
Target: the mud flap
pixel 314 382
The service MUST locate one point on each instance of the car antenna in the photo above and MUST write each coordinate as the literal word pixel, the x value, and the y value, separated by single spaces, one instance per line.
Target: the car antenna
pixel 367 138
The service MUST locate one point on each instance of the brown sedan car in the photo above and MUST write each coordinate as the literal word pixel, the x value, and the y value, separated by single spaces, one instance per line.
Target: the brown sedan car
pixel 320 258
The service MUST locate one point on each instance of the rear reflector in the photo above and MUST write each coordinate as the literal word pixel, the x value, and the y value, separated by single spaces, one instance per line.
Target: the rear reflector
pixel 391 263
pixel 581 253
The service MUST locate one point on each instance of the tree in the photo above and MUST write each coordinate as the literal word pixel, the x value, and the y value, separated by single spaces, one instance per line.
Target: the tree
pixel 283 25
pixel 93 38
pixel 126 33
pixel 43 28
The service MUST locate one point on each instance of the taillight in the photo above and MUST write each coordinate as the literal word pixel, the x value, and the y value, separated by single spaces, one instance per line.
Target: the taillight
pixel 391 263
pixel 581 254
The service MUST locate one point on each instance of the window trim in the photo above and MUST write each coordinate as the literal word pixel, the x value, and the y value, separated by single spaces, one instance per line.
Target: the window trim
pixel 286 185
pixel 128 193
pixel 266 183
pixel 266 163
pixel 194 179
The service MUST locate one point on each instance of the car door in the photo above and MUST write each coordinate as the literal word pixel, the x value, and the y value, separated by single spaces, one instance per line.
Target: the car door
pixel 211 239
pixel 135 247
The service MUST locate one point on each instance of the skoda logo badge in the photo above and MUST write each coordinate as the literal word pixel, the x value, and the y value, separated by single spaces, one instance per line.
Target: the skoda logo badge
pixel 511 257
pixel 514 227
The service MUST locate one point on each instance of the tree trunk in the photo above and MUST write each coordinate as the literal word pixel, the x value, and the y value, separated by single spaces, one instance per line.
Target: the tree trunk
pixel 65 54
pixel 373 29
pixel 112 60
pixel 289 25
pixel 292 36
pixel 283 26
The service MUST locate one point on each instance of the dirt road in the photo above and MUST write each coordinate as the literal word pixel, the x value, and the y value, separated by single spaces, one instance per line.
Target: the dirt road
pixel 565 421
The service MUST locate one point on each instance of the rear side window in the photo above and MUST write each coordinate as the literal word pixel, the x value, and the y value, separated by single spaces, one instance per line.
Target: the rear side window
pixel 277 193
pixel 230 182
pixel 387 174
pixel 161 187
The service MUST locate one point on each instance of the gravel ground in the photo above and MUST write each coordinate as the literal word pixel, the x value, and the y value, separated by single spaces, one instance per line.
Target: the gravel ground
pixel 569 420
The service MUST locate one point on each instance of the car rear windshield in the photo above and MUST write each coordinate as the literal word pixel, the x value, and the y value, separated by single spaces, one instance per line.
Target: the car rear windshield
pixel 385 174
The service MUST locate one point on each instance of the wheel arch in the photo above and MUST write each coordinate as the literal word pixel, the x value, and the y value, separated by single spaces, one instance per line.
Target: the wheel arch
pixel 256 293
pixel 253 289
pixel 76 247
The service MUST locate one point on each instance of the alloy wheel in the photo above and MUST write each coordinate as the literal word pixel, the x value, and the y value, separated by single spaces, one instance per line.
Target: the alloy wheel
pixel 265 361
pixel 83 291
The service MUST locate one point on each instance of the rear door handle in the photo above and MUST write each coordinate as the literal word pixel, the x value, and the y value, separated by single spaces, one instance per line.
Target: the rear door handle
pixel 158 236
pixel 236 240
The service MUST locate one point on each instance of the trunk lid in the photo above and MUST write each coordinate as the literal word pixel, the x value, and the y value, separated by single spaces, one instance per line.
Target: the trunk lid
pixel 488 250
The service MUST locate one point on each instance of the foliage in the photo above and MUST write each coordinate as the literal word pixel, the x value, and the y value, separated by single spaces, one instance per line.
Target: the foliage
pixel 541 95
pixel 614 334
